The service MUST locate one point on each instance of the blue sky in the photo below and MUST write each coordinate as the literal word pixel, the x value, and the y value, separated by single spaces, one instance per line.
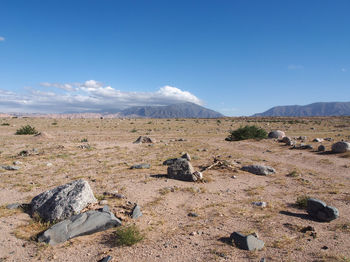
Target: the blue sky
pixel 236 57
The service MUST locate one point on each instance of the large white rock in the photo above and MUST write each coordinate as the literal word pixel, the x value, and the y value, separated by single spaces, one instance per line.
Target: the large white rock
pixel 276 134
pixel 63 201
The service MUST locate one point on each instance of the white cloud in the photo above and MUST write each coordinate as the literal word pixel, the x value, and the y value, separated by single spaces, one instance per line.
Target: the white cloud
pixel 295 67
pixel 2 38
pixel 88 96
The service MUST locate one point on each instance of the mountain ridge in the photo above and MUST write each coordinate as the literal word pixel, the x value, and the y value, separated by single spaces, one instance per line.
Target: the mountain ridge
pixel 314 109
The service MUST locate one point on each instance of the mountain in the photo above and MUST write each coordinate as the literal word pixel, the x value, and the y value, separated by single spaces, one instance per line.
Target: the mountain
pixel 315 109
pixel 182 110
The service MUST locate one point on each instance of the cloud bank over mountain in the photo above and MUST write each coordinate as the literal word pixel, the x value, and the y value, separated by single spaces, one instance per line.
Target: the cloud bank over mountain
pixel 90 95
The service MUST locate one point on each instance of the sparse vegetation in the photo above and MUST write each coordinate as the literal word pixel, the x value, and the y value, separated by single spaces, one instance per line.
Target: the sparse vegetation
pixel 301 202
pixel 26 130
pixel 247 132
pixel 127 235
pixel 84 140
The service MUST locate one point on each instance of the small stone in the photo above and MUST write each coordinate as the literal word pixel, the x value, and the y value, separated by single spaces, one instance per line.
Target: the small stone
pixel 140 166
pixel 318 140
pixel 321 148
pixel 17 162
pixel 14 206
pixel 197 176
pixel 192 214
pixel 136 212
pixel 144 139
pixel 49 164
pixel 324 247
pixel 260 204
pixel 234 177
pixel 106 259
pixel 103 202
pixel 249 242
pixel 192 233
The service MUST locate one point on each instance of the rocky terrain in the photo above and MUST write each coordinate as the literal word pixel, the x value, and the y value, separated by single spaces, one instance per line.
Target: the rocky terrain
pixel 67 192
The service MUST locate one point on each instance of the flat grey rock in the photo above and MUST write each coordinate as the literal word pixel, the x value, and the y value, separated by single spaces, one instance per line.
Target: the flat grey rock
pixel 249 242
pixel 79 225
pixel 259 170
pixel 341 147
pixel 14 206
pixel 11 168
pixel 136 212
pixel 140 166
pixel 320 211
pixel 63 201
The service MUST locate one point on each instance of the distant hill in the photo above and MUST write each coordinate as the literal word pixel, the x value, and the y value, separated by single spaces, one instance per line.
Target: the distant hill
pixel 315 109
pixel 181 110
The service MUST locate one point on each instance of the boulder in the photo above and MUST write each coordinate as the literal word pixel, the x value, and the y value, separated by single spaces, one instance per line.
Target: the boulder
pixel 321 148
pixel 341 147
pixel 63 201
pixel 78 225
pixel 276 134
pixel 181 169
pixel 144 139
pixel 171 161
pixel 288 141
pixel 259 170
pixel 320 211
pixel 249 242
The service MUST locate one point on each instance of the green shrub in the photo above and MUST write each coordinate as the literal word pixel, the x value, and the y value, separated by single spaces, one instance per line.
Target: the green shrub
pixel 84 140
pixel 247 132
pixel 26 130
pixel 127 235
pixel 5 124
pixel 301 202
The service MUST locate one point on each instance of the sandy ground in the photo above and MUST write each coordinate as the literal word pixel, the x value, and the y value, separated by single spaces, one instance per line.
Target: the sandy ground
pixel 223 202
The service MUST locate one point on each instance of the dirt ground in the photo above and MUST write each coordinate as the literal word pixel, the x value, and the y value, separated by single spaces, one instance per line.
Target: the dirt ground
pixel 223 202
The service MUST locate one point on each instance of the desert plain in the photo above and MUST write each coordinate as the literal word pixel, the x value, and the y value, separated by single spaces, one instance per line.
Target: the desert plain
pixel 101 151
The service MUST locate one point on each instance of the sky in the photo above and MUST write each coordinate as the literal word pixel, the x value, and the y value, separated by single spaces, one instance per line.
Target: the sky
pixel 238 57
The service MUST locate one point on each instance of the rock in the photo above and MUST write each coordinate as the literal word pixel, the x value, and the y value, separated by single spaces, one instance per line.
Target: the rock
pixel 259 170
pixel 321 148
pixel 249 242
pixel 329 139
pixel 287 140
pixel 103 202
pixel 11 168
pixel 169 162
pixel 136 212
pixel 319 210
pixel 140 166
pixel 78 225
pixel 192 214
pixel 63 201
pixel 302 138
pixel 186 156
pixel 341 147
pixel 17 163
pixel 197 176
pixel 181 169
pixel 260 204
pixel 144 139
pixel 318 140
pixel 106 259
pixel 276 134
pixel 49 164
pixel 14 206
pixel 302 146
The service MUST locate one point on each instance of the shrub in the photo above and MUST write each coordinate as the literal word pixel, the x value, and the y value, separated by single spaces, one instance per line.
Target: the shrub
pixel 26 130
pixel 5 124
pixel 127 235
pixel 84 140
pixel 247 132
pixel 301 202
